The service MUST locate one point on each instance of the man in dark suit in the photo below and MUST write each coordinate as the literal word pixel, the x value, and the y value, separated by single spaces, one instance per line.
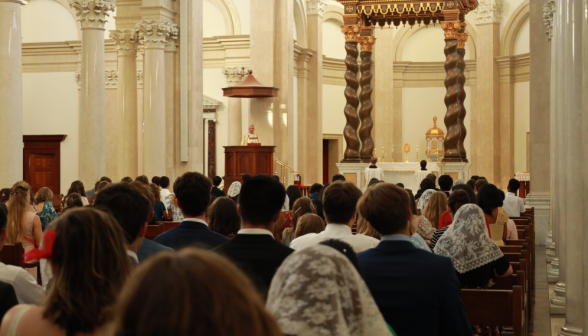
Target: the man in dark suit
pixel 254 249
pixel 417 292
pixel 133 209
pixel 192 192
pixel 216 192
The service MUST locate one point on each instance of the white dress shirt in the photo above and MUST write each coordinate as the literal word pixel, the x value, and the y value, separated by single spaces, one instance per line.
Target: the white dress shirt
pixel 163 194
pixel 26 287
pixel 337 231
pixel 133 256
pixel 513 205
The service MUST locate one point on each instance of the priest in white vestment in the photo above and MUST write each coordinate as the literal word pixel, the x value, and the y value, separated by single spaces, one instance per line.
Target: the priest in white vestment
pixel 373 171
pixel 250 137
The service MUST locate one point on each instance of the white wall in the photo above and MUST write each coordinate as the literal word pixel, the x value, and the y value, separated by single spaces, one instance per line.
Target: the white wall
pixel 50 106
pixel 214 81
pixel 522 112
pixel 243 7
pixel 427 45
pixel 214 23
pixel 508 7
pixel 419 106
pixel 522 44
pixel 47 21
pixel 333 40
pixel 333 105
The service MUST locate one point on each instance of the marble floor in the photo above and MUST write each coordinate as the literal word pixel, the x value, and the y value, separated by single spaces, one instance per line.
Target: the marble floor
pixel 541 323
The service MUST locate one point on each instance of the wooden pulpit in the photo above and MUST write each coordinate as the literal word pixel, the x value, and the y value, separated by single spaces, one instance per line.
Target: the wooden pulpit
pixel 253 160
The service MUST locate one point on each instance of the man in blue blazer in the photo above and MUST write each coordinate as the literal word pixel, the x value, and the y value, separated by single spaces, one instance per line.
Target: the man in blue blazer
pixel 192 192
pixel 417 292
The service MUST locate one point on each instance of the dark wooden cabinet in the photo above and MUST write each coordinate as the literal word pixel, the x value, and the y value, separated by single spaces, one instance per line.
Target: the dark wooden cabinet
pixel 253 160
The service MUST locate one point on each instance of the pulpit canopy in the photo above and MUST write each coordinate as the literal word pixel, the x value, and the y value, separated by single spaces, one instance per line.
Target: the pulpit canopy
pixel 250 88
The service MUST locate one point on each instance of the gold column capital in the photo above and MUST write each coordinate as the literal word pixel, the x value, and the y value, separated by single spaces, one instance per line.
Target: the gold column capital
pixel 452 28
pixel 461 40
pixel 351 32
pixel 366 43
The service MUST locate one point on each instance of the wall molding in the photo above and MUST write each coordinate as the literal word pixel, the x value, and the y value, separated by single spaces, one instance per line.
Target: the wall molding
pixel 512 28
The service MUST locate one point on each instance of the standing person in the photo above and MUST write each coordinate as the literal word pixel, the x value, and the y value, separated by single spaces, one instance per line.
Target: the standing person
pixel 373 171
pixel 164 187
pixel 293 193
pixel 216 191
pixel 254 249
pixel 76 187
pixel 159 210
pixel 315 191
pixel 251 137
pixel 24 226
pixel 339 201
pixel 192 193
pixel 155 180
pixel 90 265
pixel 318 291
pixel 25 285
pixel 514 205
pixel 205 295
pixel 45 209
pixel 408 283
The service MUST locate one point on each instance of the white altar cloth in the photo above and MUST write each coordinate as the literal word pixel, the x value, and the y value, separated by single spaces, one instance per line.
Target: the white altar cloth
pixel 406 166
pixel 406 173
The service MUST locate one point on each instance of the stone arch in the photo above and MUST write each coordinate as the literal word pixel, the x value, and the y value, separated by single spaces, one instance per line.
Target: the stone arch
pixel 335 13
pixel 65 4
pixel 300 26
pixel 230 16
pixel 512 28
pixel 405 34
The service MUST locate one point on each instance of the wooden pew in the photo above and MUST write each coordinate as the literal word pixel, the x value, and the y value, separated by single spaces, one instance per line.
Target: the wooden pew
pixel 168 225
pixel 489 307
pixel 153 231
pixel 14 255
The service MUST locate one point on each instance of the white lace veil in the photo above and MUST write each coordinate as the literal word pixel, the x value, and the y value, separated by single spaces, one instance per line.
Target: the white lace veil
pixel 424 199
pixel 234 189
pixel 466 241
pixel 317 291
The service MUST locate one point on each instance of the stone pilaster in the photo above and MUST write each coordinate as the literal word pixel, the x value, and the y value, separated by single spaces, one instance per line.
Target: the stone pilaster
pixel 127 113
pixel 488 92
pixel 92 121
pixel 170 108
pixel 154 35
pixel 234 76
pixel 11 127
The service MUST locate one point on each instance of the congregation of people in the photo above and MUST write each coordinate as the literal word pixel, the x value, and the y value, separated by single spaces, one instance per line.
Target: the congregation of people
pixel 253 257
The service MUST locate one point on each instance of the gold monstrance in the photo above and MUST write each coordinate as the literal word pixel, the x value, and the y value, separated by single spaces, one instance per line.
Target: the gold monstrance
pixel 406 148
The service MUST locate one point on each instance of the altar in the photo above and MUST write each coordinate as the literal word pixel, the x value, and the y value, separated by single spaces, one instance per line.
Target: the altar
pixel 394 172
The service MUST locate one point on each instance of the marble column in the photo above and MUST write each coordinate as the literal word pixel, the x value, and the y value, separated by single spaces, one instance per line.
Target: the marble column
pixel 140 120
pixel 234 76
pixel 558 302
pixel 155 36
pixel 126 46
pixel 11 92
pixel 539 121
pixel 574 203
pixel 312 132
pixel 170 108
pixel 114 127
pixel 302 78
pixel 92 124
pixel 488 104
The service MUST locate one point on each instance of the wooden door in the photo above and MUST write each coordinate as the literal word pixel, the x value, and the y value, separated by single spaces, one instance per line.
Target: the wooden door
pixel 43 172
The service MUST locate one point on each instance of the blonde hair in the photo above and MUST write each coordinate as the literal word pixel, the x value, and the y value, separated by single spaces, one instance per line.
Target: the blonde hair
pixel 309 223
pixel 17 208
pixel 44 195
pixel 301 207
pixel 436 206
pixel 364 227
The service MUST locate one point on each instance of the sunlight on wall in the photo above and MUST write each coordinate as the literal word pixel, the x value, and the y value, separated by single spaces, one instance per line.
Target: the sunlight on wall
pixel 333 105
pixel 522 43
pixel 47 21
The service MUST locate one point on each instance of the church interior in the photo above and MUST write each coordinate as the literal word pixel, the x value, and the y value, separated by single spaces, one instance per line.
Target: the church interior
pixel 495 88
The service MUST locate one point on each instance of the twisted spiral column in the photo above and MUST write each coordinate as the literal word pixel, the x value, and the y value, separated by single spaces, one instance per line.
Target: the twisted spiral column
pixel 461 65
pixel 454 81
pixel 350 131
pixel 365 112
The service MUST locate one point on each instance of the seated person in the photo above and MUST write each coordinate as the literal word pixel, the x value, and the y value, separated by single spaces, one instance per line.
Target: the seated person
pixel 216 192
pixel 426 184
pixel 514 205
pixel 482 260
pixel 456 200
pixel 339 201
pixel 445 184
pixel 408 284
pixel 132 206
pixel 501 227
pixel 254 249
pixel 315 191
pixel 446 217
pixel 192 192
